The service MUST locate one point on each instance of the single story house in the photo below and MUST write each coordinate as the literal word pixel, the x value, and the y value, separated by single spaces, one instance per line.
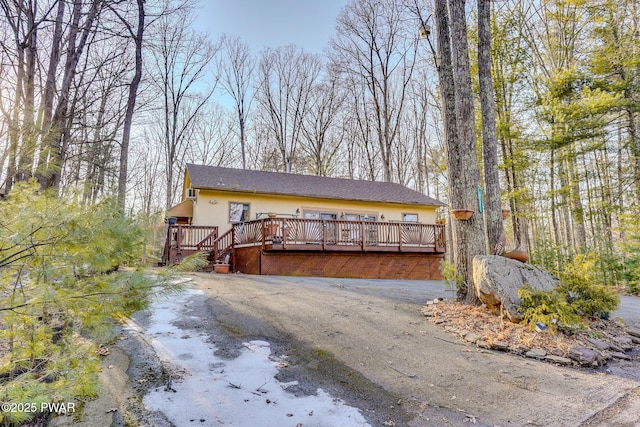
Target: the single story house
pixel 291 224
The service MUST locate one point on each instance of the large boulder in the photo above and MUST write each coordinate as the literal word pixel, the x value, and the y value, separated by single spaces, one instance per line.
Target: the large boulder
pixel 497 280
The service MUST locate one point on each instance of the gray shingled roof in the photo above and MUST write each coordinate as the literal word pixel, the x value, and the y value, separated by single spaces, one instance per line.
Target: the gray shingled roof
pixel 241 180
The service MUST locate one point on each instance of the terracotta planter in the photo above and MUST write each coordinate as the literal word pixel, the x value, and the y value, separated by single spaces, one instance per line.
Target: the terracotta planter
pixel 517 254
pixel 461 214
pixel 221 268
pixel 505 213
pixel 270 230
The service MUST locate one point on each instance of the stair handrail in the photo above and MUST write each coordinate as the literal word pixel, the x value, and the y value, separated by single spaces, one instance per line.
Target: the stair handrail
pixel 225 241
pixel 208 238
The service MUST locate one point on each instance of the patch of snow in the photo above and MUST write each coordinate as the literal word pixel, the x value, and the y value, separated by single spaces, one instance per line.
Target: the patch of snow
pixel 241 392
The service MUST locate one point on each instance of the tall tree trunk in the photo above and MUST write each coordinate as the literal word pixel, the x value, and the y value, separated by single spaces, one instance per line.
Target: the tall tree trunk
pixel 25 162
pixel 635 148
pixel 53 151
pixel 565 194
pixel 52 71
pixel 462 162
pixel 577 209
pixel 554 204
pixel 13 172
pixel 471 239
pixel 131 105
pixel 493 204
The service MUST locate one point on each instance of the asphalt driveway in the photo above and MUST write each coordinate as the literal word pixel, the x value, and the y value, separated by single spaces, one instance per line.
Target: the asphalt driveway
pixel 417 291
pixel 373 330
pixel 365 343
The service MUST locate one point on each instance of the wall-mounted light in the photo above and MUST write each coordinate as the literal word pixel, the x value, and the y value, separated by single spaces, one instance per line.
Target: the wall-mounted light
pixel 424 31
pixel 382 217
pixel 298 211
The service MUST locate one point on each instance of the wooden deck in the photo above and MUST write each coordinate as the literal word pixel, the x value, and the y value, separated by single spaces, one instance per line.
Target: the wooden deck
pixel 294 234
pixel 309 247
pixel 334 248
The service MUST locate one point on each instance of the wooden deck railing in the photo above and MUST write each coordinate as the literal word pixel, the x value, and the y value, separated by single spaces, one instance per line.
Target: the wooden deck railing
pixel 303 234
pixel 329 234
pixel 186 239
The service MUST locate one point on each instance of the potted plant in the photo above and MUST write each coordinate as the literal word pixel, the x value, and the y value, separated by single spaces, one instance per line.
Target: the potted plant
pixel 221 268
pixel 270 230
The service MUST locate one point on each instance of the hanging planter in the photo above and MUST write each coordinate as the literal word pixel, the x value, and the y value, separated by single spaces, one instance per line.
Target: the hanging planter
pixel 505 213
pixel 461 214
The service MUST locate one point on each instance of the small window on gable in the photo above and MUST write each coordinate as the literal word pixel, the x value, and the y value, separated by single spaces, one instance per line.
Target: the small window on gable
pixel 410 217
pixel 238 212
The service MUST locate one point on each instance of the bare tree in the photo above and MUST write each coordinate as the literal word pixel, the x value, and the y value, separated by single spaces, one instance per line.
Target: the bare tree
pixel 321 137
pixel 212 140
pixel 54 146
pixel 236 68
pixel 372 44
pixel 137 35
pixel 22 22
pixel 181 60
pixel 287 76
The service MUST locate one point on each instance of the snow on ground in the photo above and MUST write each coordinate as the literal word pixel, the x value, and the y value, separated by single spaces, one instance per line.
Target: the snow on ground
pixel 211 391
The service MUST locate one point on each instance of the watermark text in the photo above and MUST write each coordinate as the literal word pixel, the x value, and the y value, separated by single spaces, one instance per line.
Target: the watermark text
pixel 56 408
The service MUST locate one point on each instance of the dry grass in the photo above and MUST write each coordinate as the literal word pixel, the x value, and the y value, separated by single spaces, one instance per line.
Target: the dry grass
pixel 463 320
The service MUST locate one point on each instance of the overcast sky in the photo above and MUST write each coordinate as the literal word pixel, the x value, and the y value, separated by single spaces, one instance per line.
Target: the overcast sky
pixel 272 23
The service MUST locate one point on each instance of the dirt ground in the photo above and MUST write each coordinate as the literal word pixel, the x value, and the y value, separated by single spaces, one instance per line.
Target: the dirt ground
pixel 377 352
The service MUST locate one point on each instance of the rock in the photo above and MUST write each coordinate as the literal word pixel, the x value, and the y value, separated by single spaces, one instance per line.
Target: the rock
pixel 619 355
pixel 557 352
pixel 585 356
pixel 558 360
pixel 472 338
pixel 614 347
pixel 498 279
pixel 600 345
pixel 536 353
pixel 500 345
pixel 634 332
pixel 483 344
pixel 625 342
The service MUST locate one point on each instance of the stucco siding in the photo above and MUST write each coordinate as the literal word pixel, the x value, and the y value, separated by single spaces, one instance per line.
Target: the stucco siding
pixel 212 208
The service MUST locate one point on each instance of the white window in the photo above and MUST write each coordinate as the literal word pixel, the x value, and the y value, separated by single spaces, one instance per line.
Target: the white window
pixel 359 217
pixel 238 212
pixel 410 217
pixel 319 215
